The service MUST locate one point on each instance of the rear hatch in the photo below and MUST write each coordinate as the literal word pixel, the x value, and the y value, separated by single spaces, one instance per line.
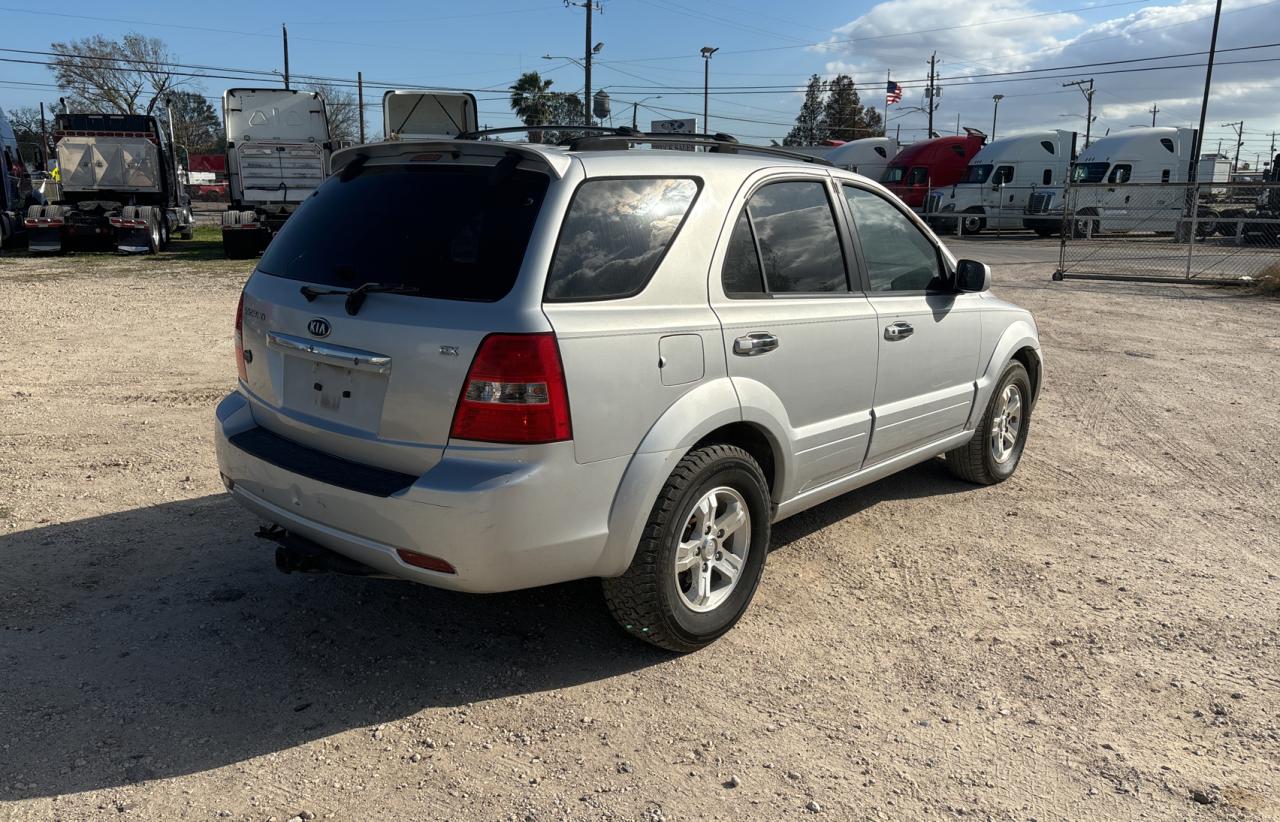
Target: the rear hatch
pixel 379 386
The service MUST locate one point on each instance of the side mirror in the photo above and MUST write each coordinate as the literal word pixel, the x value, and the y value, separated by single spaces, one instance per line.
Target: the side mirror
pixel 972 276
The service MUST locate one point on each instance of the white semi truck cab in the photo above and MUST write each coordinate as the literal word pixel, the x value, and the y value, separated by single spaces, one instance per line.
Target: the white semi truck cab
pixel 278 147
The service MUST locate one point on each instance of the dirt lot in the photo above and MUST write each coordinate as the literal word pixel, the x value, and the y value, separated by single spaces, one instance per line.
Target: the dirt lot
pixel 1098 638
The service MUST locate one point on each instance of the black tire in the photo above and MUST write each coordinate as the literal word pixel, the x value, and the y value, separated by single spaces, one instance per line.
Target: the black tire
pixel 975 461
pixel 972 223
pixel 646 600
pixel 1046 233
pixel 188 233
pixel 164 232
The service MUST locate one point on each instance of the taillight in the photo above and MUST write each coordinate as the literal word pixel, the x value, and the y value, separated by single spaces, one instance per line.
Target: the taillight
pixel 240 369
pixel 514 392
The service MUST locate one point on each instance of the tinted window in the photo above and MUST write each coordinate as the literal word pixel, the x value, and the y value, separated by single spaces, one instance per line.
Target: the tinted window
pixel 455 232
pixel 1121 173
pixel 897 255
pixel 893 174
pixel 614 236
pixel 977 174
pixel 1048 146
pixel 1164 175
pixel 1167 143
pixel 741 272
pixel 1047 177
pixel 1004 174
pixel 919 176
pixel 796 232
pixel 880 150
pixel 1089 172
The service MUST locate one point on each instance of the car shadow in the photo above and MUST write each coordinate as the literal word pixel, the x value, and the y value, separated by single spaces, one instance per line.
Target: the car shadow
pixel 161 641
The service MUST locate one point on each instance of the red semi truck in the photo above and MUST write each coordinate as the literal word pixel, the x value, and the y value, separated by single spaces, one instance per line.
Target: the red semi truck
pixel 931 164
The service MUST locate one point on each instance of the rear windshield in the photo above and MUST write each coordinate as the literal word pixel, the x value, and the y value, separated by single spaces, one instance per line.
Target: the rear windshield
pixel 455 233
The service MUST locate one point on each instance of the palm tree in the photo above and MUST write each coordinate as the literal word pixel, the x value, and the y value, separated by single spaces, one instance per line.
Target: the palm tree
pixel 531 101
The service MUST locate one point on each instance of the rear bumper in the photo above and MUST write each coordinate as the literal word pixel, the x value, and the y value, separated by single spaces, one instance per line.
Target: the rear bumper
pixel 503 525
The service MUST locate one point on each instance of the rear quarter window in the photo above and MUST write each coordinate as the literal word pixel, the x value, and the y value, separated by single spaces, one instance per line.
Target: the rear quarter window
pixel 615 234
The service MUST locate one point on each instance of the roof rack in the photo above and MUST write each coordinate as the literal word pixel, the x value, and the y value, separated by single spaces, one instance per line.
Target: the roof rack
pixel 717 143
pixel 603 138
pixel 489 132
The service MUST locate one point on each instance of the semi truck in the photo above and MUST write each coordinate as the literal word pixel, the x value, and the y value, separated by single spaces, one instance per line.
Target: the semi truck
pixel 1260 223
pixel 16 194
pixel 1000 180
pixel 869 156
pixel 1132 181
pixel 278 148
pixel 120 187
pixel 921 167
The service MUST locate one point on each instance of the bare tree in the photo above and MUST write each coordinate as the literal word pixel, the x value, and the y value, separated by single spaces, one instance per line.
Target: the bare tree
pixel 126 76
pixel 343 108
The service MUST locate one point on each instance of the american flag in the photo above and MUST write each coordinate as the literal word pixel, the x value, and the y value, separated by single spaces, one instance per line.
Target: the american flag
pixel 892 94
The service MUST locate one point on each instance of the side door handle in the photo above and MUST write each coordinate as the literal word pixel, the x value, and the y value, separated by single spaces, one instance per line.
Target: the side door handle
pixel 898 331
pixel 755 344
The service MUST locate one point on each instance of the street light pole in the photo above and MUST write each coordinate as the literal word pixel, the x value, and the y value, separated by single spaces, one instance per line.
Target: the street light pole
pixel 707 51
pixel 636 105
pixel 995 111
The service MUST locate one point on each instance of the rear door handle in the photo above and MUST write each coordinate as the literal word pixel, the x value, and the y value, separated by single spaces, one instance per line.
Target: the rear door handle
pixel 898 331
pixel 755 344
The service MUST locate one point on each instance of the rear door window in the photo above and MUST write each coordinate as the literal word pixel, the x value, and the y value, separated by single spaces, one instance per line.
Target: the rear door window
pixel 615 235
pixel 795 231
pixel 451 232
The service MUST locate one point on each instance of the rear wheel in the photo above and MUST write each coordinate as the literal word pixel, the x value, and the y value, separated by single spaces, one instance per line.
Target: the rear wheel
pixel 1046 232
pixel 996 448
pixel 972 222
pixel 701 555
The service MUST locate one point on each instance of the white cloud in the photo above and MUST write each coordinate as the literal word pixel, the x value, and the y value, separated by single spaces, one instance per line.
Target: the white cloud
pixel 865 47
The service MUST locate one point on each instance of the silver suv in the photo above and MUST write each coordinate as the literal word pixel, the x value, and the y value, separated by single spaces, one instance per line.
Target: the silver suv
pixel 486 365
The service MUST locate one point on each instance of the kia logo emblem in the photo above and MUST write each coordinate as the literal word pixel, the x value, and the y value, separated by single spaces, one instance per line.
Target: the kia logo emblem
pixel 319 327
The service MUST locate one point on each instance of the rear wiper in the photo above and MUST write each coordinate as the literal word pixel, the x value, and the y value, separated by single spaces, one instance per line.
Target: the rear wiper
pixel 355 297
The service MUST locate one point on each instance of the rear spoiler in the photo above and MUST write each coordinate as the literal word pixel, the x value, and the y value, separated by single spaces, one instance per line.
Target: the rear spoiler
pixel 556 162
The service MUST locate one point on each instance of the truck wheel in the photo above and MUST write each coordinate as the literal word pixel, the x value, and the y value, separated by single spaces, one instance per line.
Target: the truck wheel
pixel 972 222
pixel 993 454
pixel 164 232
pixel 1046 233
pixel 701 555
pixel 188 232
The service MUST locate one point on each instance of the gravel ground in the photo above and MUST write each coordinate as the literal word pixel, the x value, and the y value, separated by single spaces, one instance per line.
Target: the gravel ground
pixel 1095 639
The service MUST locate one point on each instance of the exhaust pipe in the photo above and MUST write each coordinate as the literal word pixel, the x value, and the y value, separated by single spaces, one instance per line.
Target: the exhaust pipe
pixel 297 554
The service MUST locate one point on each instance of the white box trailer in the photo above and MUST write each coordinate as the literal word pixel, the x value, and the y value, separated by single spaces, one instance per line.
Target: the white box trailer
pixel 1130 181
pixel 1000 180
pixel 278 147
pixel 869 156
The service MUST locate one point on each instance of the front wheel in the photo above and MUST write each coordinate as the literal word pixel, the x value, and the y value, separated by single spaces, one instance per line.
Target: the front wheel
pixel 701 555
pixel 993 454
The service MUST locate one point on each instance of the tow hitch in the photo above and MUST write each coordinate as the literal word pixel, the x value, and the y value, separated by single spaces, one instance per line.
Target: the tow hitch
pixel 299 554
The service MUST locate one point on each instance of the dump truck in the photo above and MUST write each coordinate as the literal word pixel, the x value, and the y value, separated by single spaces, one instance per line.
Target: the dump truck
pixel 120 187
pixel 278 147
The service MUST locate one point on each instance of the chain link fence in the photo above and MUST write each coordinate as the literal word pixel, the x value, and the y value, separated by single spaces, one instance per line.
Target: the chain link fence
pixel 973 209
pixel 1200 232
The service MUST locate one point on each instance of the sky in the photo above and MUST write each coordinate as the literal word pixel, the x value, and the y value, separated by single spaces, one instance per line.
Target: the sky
pixel 767 52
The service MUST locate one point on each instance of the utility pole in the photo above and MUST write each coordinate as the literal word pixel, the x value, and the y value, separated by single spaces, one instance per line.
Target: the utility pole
pixel 591 6
pixel 707 51
pixel 1088 99
pixel 284 30
pixel 994 112
pixel 360 101
pixel 1238 128
pixel 1204 101
pixel 930 92
pixel 1155 109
